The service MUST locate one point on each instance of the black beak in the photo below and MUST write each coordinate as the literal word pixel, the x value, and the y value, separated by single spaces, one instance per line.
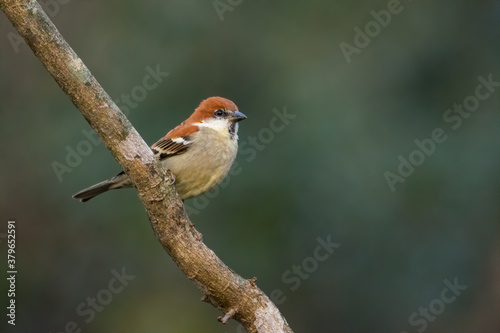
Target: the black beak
pixel 237 116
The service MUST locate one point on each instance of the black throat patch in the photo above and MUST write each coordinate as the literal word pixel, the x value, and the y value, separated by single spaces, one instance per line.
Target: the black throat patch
pixel 232 129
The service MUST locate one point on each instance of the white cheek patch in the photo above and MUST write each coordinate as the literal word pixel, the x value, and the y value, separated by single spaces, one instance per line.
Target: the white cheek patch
pixel 219 125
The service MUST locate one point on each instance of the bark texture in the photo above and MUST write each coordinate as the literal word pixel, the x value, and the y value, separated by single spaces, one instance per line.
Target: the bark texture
pixel 236 297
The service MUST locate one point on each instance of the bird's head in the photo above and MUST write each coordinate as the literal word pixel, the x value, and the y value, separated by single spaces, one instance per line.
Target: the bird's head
pixel 219 114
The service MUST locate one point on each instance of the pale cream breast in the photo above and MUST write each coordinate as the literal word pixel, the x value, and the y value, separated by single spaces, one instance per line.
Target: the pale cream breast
pixel 207 162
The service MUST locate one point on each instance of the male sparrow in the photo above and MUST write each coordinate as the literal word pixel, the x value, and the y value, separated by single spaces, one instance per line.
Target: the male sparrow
pixel 199 152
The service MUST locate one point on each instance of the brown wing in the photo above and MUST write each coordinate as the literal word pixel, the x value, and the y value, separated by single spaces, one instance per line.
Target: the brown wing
pixel 176 142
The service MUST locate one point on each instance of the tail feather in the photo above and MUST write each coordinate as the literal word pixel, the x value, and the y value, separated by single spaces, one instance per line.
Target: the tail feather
pixel 120 181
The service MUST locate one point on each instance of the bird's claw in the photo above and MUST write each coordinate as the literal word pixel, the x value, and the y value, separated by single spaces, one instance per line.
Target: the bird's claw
pixel 171 176
pixel 198 234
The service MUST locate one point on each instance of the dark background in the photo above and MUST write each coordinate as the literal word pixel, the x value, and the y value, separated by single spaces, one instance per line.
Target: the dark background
pixel 321 175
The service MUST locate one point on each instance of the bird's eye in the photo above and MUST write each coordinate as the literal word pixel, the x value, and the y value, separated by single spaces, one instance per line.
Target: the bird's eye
pixel 219 113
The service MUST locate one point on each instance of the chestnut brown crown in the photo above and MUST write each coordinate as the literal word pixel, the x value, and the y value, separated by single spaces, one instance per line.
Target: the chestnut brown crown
pixel 208 106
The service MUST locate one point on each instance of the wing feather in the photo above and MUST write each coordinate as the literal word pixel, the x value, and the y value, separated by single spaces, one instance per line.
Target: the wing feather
pixel 176 142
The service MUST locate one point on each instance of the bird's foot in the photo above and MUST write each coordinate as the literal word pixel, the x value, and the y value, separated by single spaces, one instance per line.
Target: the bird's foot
pixel 171 176
pixel 198 234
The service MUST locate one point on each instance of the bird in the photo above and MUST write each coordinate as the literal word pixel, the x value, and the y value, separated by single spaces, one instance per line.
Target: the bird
pixel 199 152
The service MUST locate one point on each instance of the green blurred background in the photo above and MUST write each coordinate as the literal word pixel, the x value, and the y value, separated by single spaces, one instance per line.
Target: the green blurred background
pixel 321 175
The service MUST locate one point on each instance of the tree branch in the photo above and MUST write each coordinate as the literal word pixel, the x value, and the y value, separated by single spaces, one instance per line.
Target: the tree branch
pixel 236 297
